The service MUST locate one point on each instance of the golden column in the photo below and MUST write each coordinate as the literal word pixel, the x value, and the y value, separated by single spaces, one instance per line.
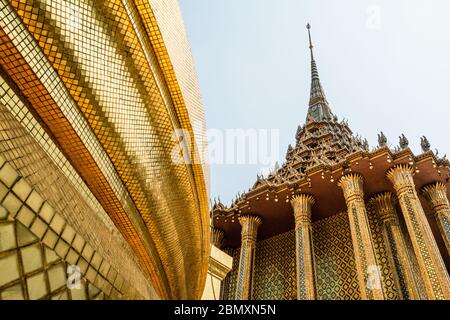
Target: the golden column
pixel 217 237
pixel 304 248
pixel 430 262
pixel 436 195
pixel 369 277
pixel 250 224
pixel 384 205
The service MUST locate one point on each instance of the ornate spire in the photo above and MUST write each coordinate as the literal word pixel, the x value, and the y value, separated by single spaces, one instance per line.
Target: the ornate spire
pixel 318 104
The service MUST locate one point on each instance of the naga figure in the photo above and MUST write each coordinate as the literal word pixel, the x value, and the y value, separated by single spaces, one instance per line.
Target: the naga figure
pixel 403 141
pixel 382 140
pixel 425 144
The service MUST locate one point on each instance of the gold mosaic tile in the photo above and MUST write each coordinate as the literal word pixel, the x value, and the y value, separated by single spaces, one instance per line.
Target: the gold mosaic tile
pixel 32 259
pixel 11 203
pixel 34 201
pixel 8 175
pixel 38 227
pixel 25 216
pixel 37 287
pixel 7 237
pixel 47 212
pixel 132 64
pixel 3 213
pixel 22 189
pixel 24 236
pixel 12 293
pixel 9 265
pixel 57 276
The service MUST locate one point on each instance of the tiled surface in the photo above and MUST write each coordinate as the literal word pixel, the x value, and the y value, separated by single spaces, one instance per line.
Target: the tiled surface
pixel 30 270
pixel 36 248
pixel 229 283
pixel 275 268
pixel 105 88
pixel 51 181
pixel 390 288
pixel 335 260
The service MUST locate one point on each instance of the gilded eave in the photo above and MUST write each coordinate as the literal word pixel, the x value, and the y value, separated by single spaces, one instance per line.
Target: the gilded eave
pixel 271 200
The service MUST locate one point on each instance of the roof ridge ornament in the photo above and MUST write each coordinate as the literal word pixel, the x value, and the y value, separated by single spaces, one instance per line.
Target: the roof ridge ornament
pixel 382 140
pixel 403 142
pixel 424 144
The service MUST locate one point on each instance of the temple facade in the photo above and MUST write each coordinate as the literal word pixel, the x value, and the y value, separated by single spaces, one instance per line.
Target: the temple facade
pixel 340 220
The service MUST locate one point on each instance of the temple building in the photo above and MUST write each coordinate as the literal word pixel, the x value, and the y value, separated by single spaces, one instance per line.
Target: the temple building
pixel 339 220
pixel 97 98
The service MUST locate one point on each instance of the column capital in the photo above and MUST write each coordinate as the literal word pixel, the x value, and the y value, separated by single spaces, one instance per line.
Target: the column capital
pixel 250 219
pixel 250 224
pixel 384 204
pixel 217 237
pixel 436 194
pixel 302 205
pixel 401 177
pixel 352 185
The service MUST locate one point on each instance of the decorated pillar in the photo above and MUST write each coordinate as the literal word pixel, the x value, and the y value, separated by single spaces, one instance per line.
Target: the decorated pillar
pixel 384 204
pixel 369 277
pixel 217 237
pixel 430 262
pixel 436 195
pixel 250 224
pixel 304 253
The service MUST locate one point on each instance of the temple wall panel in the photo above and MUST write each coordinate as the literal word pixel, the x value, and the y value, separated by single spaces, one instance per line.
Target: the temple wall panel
pixel 275 275
pixel 335 260
pixel 229 285
pixel 387 277
pixel 414 264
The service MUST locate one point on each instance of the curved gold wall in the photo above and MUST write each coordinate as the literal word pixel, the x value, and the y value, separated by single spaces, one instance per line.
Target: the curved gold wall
pixel 111 83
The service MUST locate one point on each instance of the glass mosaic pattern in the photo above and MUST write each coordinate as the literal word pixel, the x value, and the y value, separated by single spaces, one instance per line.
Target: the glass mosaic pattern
pixel 99 77
pixel 389 286
pixel 30 270
pixel 229 283
pixel 275 268
pixel 335 262
pixel 24 145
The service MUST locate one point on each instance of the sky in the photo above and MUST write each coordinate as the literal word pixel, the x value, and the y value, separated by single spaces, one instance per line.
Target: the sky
pixel 384 65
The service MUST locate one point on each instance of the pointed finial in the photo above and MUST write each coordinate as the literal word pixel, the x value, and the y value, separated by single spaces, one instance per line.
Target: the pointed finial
pixel 318 104
pixel 308 26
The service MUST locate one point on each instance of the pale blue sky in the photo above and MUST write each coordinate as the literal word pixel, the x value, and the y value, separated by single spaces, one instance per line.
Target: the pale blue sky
pixel 384 66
